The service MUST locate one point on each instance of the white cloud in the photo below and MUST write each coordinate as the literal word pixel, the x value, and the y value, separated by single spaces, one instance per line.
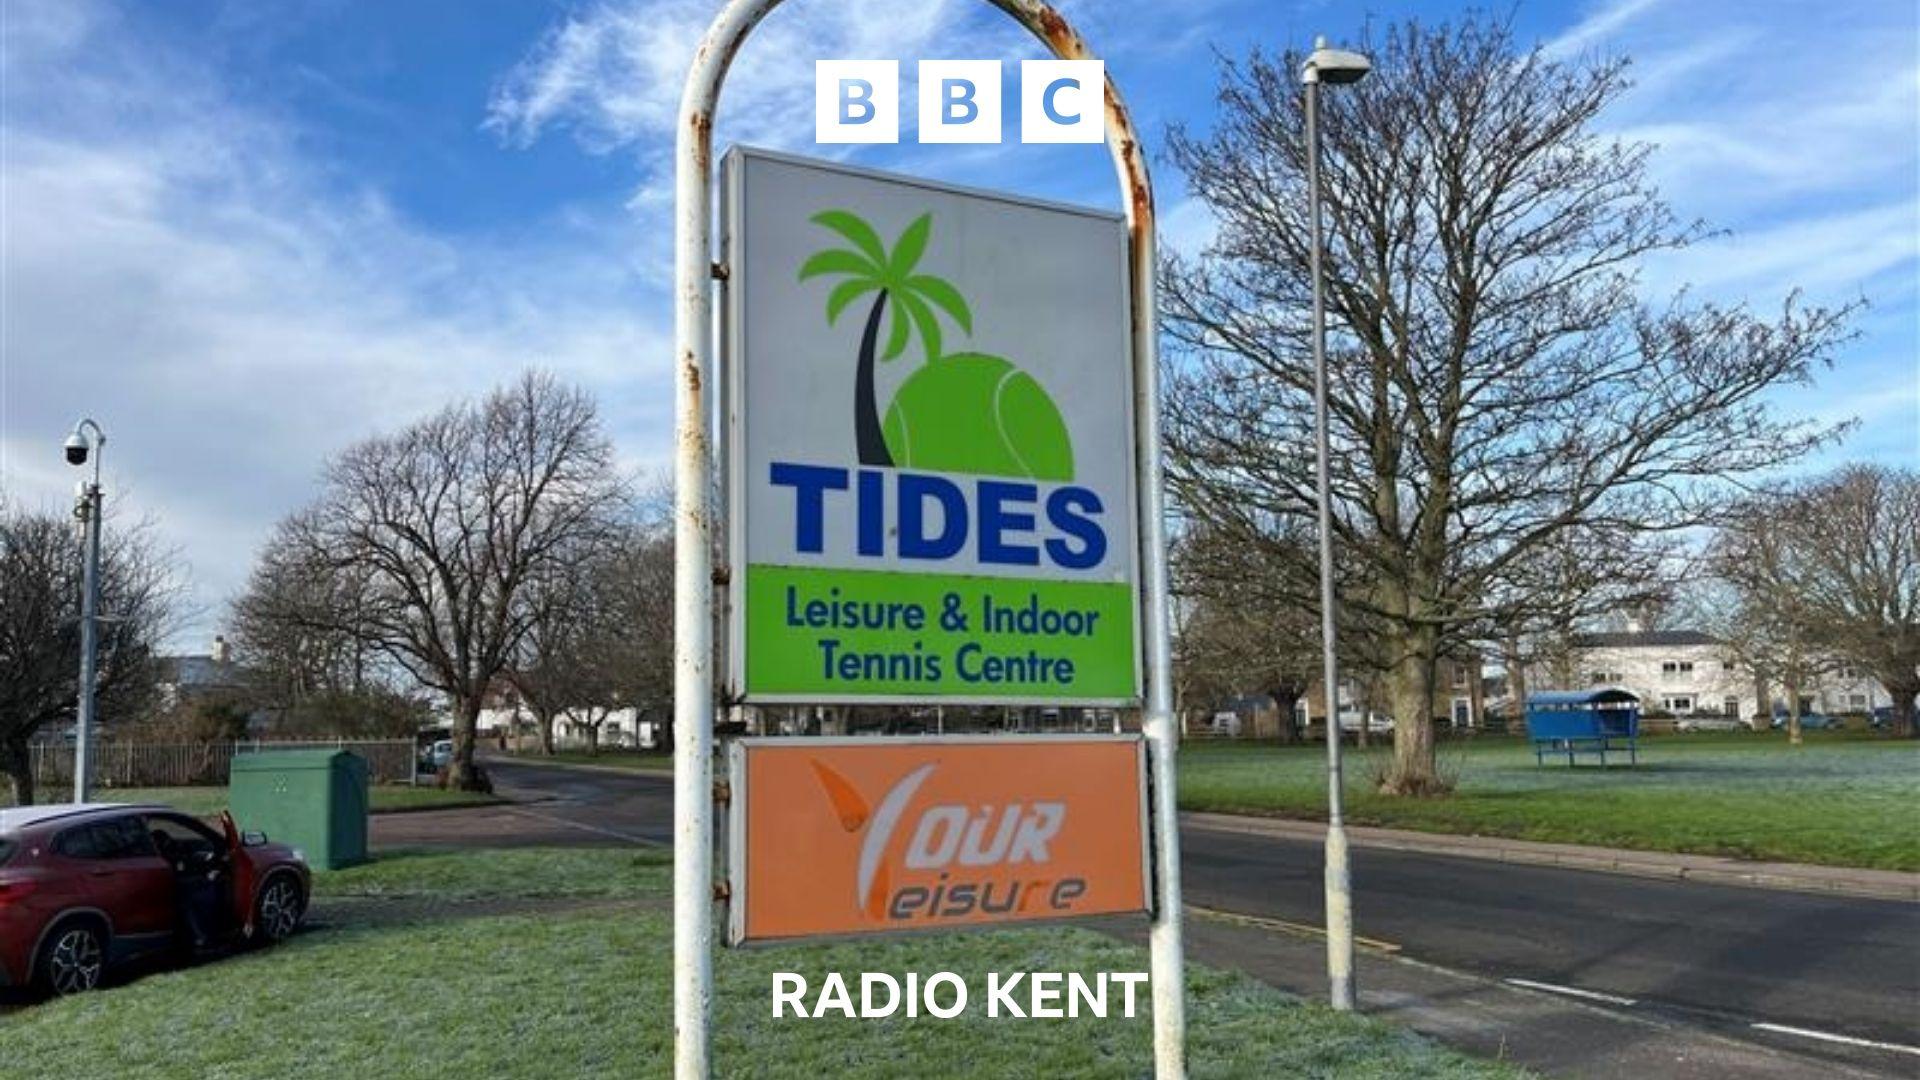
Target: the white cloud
pixel 175 268
pixel 1832 255
pixel 612 75
pixel 1800 135
pixel 1188 226
pixel 1598 28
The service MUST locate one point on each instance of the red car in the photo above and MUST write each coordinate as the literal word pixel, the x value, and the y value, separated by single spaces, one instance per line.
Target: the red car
pixel 84 888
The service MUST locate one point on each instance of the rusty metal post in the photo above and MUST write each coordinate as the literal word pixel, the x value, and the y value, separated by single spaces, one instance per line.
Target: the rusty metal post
pixel 694 537
pixel 693 533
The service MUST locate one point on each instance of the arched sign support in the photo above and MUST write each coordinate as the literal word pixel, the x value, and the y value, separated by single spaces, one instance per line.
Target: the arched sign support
pixel 695 538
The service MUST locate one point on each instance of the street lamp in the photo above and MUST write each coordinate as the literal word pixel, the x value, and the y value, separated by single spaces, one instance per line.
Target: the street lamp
pixel 86 441
pixel 1336 67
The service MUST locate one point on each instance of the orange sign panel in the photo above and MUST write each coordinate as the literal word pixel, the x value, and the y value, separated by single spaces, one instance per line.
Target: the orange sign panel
pixel 851 836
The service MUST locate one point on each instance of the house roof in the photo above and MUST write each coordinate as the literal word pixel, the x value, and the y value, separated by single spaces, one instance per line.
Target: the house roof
pixel 1643 639
pixel 200 672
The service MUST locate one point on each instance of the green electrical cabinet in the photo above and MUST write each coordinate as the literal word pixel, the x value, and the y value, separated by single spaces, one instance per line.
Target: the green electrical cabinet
pixel 315 800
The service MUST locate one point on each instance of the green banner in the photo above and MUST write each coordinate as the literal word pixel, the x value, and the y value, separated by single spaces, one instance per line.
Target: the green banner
pixel 832 633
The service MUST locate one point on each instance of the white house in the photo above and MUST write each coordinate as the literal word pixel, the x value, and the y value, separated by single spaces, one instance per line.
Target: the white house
pixel 621 728
pixel 1687 672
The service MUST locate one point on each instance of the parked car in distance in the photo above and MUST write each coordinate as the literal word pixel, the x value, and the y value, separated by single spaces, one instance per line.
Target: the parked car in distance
pixel 1810 721
pixel 437 756
pixel 85 888
pixel 1712 723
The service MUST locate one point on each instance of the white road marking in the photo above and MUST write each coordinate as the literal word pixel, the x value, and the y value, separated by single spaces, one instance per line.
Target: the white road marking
pixel 1827 1036
pixel 1573 991
pixel 634 838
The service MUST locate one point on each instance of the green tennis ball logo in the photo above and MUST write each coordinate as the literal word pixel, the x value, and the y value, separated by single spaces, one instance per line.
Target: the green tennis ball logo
pixel 961 412
pixel 975 413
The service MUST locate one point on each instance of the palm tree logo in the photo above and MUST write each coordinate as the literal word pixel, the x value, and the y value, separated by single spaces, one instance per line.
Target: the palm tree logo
pixel 961 412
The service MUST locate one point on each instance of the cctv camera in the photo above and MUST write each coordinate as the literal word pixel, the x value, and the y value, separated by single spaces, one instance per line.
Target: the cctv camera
pixel 76 449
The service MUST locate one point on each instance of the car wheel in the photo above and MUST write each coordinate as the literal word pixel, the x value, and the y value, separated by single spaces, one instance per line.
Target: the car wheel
pixel 73 958
pixel 278 910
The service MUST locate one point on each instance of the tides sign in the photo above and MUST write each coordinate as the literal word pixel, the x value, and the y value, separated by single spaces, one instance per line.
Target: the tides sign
pixel 931 471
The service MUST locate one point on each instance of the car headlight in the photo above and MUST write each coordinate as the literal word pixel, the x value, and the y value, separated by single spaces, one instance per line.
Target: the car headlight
pixel 299 856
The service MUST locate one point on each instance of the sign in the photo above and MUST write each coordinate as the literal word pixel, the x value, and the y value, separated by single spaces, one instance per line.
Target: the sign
pixel 930 443
pixel 855 836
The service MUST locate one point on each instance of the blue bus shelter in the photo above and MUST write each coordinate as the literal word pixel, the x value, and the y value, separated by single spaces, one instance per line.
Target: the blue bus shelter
pixel 1574 722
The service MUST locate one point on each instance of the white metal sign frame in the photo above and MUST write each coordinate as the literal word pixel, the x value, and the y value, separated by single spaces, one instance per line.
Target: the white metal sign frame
pixel 695 537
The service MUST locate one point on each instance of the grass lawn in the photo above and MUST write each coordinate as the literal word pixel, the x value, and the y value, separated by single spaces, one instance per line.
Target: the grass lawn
pixel 647 760
pixel 207 801
pixel 580 987
pixel 1838 800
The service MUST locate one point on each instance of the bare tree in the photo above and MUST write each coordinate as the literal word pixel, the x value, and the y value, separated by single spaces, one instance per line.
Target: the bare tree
pixel 446 524
pixel 1858 583
pixel 1497 385
pixel 639 592
pixel 1829 571
pixel 294 627
pixel 1242 631
pixel 552 670
pixel 1577 580
pixel 40 557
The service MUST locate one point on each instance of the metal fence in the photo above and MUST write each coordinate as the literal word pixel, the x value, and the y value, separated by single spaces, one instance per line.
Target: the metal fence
pixel 129 765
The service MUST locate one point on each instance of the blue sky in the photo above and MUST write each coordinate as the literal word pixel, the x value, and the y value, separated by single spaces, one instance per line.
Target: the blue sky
pixel 242 235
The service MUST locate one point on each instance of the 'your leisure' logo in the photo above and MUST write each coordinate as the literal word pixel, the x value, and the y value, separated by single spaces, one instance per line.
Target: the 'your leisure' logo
pixel 965 412
pixel 958 860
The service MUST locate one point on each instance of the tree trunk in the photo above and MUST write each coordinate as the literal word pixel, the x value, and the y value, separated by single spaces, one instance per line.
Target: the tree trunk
pixel 1284 699
pixel 466 719
pixel 868 437
pixel 16 757
pixel 1516 681
pixel 1793 710
pixel 593 738
pixel 544 718
pixel 1762 702
pixel 1410 689
pixel 1904 691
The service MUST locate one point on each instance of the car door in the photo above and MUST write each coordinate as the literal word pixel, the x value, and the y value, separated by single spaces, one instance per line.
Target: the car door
pixel 186 840
pixel 118 872
pixel 244 875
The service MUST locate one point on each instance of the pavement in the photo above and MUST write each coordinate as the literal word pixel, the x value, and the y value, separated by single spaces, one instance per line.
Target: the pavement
pixel 1574 968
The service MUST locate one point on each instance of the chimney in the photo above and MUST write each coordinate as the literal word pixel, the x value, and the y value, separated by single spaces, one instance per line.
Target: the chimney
pixel 221 652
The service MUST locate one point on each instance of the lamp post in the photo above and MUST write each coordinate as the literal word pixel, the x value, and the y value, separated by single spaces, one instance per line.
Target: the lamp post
pixel 1336 67
pixel 88 510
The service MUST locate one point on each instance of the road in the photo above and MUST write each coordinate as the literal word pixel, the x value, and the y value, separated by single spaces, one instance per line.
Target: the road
pixel 1717 959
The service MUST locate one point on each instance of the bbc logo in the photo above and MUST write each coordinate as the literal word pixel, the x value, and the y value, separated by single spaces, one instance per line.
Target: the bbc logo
pixel 858 101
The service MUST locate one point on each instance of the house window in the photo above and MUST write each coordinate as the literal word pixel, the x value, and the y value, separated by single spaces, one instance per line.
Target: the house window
pixel 1730 707
pixel 1848 671
pixel 1459 676
pixel 1857 702
pixel 1598 678
pixel 1678 703
pixel 1676 667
